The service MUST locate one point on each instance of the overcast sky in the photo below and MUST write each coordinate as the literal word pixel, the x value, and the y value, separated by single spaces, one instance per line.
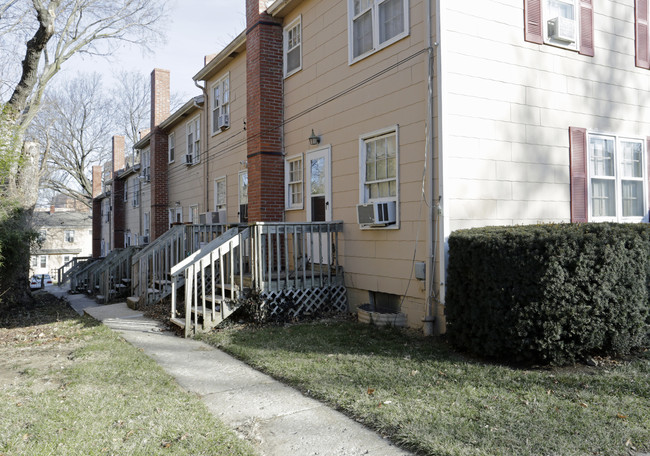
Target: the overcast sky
pixel 196 28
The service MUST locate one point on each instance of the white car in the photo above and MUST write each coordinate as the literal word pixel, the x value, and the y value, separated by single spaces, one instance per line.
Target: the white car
pixel 37 279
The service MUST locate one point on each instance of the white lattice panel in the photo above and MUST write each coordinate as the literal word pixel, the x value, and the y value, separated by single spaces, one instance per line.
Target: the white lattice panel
pixel 297 302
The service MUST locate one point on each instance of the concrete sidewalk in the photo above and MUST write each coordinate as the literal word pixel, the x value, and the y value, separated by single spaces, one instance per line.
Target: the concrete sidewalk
pixel 277 419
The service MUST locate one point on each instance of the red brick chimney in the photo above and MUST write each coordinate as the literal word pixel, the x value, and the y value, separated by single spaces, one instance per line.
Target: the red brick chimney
pixel 118 154
pixel 97 211
pixel 160 94
pixel 52 209
pixel 117 194
pixel 264 114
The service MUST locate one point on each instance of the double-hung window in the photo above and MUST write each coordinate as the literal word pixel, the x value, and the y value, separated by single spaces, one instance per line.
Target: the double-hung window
pixel 374 24
pixel 193 129
pixel 564 23
pixel 146 165
pixel 69 235
pixel 136 192
pixel 126 191
pixel 171 147
pixel 243 196
pixel 293 178
pixel 609 180
pixel 293 47
pixel 616 178
pixel 221 105
pixel 220 194
pixel 378 164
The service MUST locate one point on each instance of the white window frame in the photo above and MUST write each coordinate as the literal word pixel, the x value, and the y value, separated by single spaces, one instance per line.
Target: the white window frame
pixel 136 192
pixel 146 223
pixel 373 9
pixel 34 261
pixel 221 103
pixel 291 184
pixel 69 235
pixel 290 44
pixel 193 214
pixel 363 191
pixel 220 203
pixel 240 193
pixel 126 192
pixel 618 178
pixel 146 165
pixel 171 147
pixel 175 215
pixel 43 261
pixel 547 16
pixel 193 136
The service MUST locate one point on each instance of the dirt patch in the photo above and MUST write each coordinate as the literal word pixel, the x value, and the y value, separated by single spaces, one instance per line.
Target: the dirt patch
pixel 37 341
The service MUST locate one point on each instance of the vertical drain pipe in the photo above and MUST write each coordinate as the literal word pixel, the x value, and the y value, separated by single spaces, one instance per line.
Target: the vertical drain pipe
pixel 430 317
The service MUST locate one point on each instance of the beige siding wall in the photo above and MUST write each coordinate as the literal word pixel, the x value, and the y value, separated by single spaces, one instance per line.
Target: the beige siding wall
pixel 508 105
pixel 186 182
pixel 132 214
pixel 377 260
pixel 227 149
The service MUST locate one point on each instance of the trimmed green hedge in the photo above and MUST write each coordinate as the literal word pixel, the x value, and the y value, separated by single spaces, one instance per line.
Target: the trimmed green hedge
pixel 549 293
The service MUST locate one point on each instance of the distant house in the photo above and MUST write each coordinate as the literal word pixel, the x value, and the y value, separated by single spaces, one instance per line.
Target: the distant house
pixel 64 235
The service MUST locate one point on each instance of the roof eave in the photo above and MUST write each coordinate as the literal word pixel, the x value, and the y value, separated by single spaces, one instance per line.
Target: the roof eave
pixel 234 48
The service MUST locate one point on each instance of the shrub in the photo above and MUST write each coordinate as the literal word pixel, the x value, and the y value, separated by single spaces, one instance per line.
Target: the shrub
pixel 549 293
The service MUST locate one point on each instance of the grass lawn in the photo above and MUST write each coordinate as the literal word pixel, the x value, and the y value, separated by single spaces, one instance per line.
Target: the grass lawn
pixel 421 394
pixel 69 386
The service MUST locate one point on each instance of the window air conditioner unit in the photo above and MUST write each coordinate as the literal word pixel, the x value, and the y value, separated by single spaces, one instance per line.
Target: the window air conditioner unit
pixel 188 159
pixel 377 213
pixel 144 240
pixel 212 218
pixel 224 121
pixel 562 29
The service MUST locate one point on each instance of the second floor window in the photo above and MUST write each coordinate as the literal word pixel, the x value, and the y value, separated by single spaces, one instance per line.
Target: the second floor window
pixel 292 47
pixel 221 105
pixel 193 129
pixel 69 236
pixel 374 24
pixel 171 144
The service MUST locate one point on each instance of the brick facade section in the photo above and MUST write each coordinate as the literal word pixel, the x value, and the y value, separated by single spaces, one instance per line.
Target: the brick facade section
pixel 160 93
pixel 97 212
pixel 117 194
pixel 264 114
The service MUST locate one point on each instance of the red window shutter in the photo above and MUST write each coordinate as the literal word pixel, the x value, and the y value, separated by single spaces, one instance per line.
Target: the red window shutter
pixel 533 17
pixel 641 33
pixel 578 170
pixel 587 27
pixel 647 157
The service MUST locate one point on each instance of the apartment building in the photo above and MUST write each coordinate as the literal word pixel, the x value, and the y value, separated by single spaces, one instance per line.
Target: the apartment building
pixel 407 120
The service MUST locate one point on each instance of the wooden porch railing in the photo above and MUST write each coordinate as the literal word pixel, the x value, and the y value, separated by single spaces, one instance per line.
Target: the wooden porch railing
pixel 212 276
pixel 150 278
pixel 296 255
pixel 114 273
pixel 64 272
pixel 267 257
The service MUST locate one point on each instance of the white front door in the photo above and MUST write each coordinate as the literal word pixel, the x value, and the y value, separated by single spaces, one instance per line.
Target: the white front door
pixel 318 201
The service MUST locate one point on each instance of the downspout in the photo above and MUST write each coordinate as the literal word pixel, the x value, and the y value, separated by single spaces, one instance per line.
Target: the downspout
pixel 430 318
pixel 441 201
pixel 206 168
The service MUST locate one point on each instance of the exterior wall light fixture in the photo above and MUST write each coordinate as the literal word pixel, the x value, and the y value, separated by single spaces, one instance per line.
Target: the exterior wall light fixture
pixel 313 139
